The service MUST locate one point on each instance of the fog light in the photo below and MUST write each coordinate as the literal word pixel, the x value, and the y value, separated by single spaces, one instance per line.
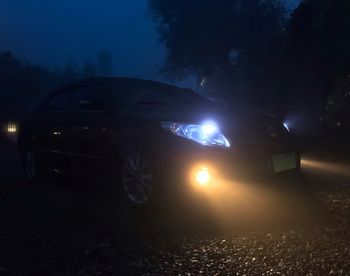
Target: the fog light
pixel 203 176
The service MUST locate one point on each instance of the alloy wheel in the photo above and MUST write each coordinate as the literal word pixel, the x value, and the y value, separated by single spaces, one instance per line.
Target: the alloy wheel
pixel 30 166
pixel 137 178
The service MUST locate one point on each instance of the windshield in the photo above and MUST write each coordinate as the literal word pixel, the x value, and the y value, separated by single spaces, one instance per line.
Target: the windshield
pixel 130 91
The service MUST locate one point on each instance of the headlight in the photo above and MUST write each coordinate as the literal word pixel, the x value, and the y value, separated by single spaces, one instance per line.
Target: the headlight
pixel 207 134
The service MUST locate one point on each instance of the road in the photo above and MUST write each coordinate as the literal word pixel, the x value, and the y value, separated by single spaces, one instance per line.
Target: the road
pixel 54 230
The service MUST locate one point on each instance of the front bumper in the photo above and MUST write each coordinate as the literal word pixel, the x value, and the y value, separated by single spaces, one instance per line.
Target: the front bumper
pixel 230 170
pixel 180 156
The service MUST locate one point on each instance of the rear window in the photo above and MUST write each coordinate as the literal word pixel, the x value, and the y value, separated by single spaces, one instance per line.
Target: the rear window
pixel 95 94
pixel 58 102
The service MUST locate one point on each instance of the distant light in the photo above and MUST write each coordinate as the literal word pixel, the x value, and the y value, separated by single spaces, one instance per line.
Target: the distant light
pixel 203 176
pixel 11 128
pixel 286 126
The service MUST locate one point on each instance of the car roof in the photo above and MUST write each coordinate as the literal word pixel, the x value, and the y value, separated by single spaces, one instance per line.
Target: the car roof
pixel 96 81
pixel 105 80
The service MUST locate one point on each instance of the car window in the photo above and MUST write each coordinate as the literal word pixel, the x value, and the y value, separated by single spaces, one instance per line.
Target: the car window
pixel 88 94
pixel 59 102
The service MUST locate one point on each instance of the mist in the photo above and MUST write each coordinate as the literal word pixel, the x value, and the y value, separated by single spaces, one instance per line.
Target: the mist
pixel 49 33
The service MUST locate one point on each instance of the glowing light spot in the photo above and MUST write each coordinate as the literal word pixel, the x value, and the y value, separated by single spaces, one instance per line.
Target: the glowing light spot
pixel 11 128
pixel 286 126
pixel 209 128
pixel 203 176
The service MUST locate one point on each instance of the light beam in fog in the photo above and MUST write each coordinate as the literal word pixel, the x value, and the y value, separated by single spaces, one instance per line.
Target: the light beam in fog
pixel 238 203
pixel 325 167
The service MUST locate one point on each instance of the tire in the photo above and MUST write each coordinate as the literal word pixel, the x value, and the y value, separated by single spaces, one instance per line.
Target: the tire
pixel 137 180
pixel 32 166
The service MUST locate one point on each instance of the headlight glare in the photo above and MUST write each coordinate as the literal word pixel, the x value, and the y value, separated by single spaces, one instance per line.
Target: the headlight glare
pixel 286 126
pixel 207 134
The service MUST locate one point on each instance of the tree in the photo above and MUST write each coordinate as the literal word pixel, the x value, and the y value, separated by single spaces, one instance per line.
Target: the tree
pixel 316 53
pixel 21 85
pixel 234 39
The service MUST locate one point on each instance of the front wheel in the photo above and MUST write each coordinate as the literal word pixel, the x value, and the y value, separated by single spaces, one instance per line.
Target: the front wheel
pixel 137 179
pixel 32 166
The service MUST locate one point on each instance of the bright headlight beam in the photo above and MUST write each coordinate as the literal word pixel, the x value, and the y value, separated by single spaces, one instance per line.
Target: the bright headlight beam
pixel 207 134
pixel 209 128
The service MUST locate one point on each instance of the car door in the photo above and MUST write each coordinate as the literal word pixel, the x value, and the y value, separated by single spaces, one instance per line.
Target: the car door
pixel 92 127
pixel 53 133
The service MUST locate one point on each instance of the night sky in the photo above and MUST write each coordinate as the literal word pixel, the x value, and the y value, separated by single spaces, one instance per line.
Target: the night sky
pixel 49 32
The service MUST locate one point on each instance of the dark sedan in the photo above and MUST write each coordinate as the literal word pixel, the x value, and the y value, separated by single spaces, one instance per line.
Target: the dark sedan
pixel 149 134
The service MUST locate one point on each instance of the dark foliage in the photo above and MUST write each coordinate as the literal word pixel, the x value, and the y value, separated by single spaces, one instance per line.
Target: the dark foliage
pixel 23 86
pixel 252 50
pixel 231 43
pixel 317 49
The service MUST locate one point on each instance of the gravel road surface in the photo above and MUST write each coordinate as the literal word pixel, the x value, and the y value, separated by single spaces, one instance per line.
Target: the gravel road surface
pixel 57 231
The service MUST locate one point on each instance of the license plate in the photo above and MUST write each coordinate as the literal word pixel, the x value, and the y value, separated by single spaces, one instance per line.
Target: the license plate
pixel 284 162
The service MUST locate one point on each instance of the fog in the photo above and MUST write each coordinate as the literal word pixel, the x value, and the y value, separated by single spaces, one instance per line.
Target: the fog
pixel 49 33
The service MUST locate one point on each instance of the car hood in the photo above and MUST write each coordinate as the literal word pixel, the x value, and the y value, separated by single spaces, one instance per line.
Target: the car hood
pixel 234 121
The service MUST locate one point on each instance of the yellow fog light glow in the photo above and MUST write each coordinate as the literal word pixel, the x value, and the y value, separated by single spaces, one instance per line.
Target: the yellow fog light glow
pixel 203 176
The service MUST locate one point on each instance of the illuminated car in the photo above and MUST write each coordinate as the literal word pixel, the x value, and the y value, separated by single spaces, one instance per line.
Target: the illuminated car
pixel 153 138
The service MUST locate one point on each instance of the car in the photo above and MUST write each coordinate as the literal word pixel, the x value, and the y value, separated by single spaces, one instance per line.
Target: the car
pixel 153 138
